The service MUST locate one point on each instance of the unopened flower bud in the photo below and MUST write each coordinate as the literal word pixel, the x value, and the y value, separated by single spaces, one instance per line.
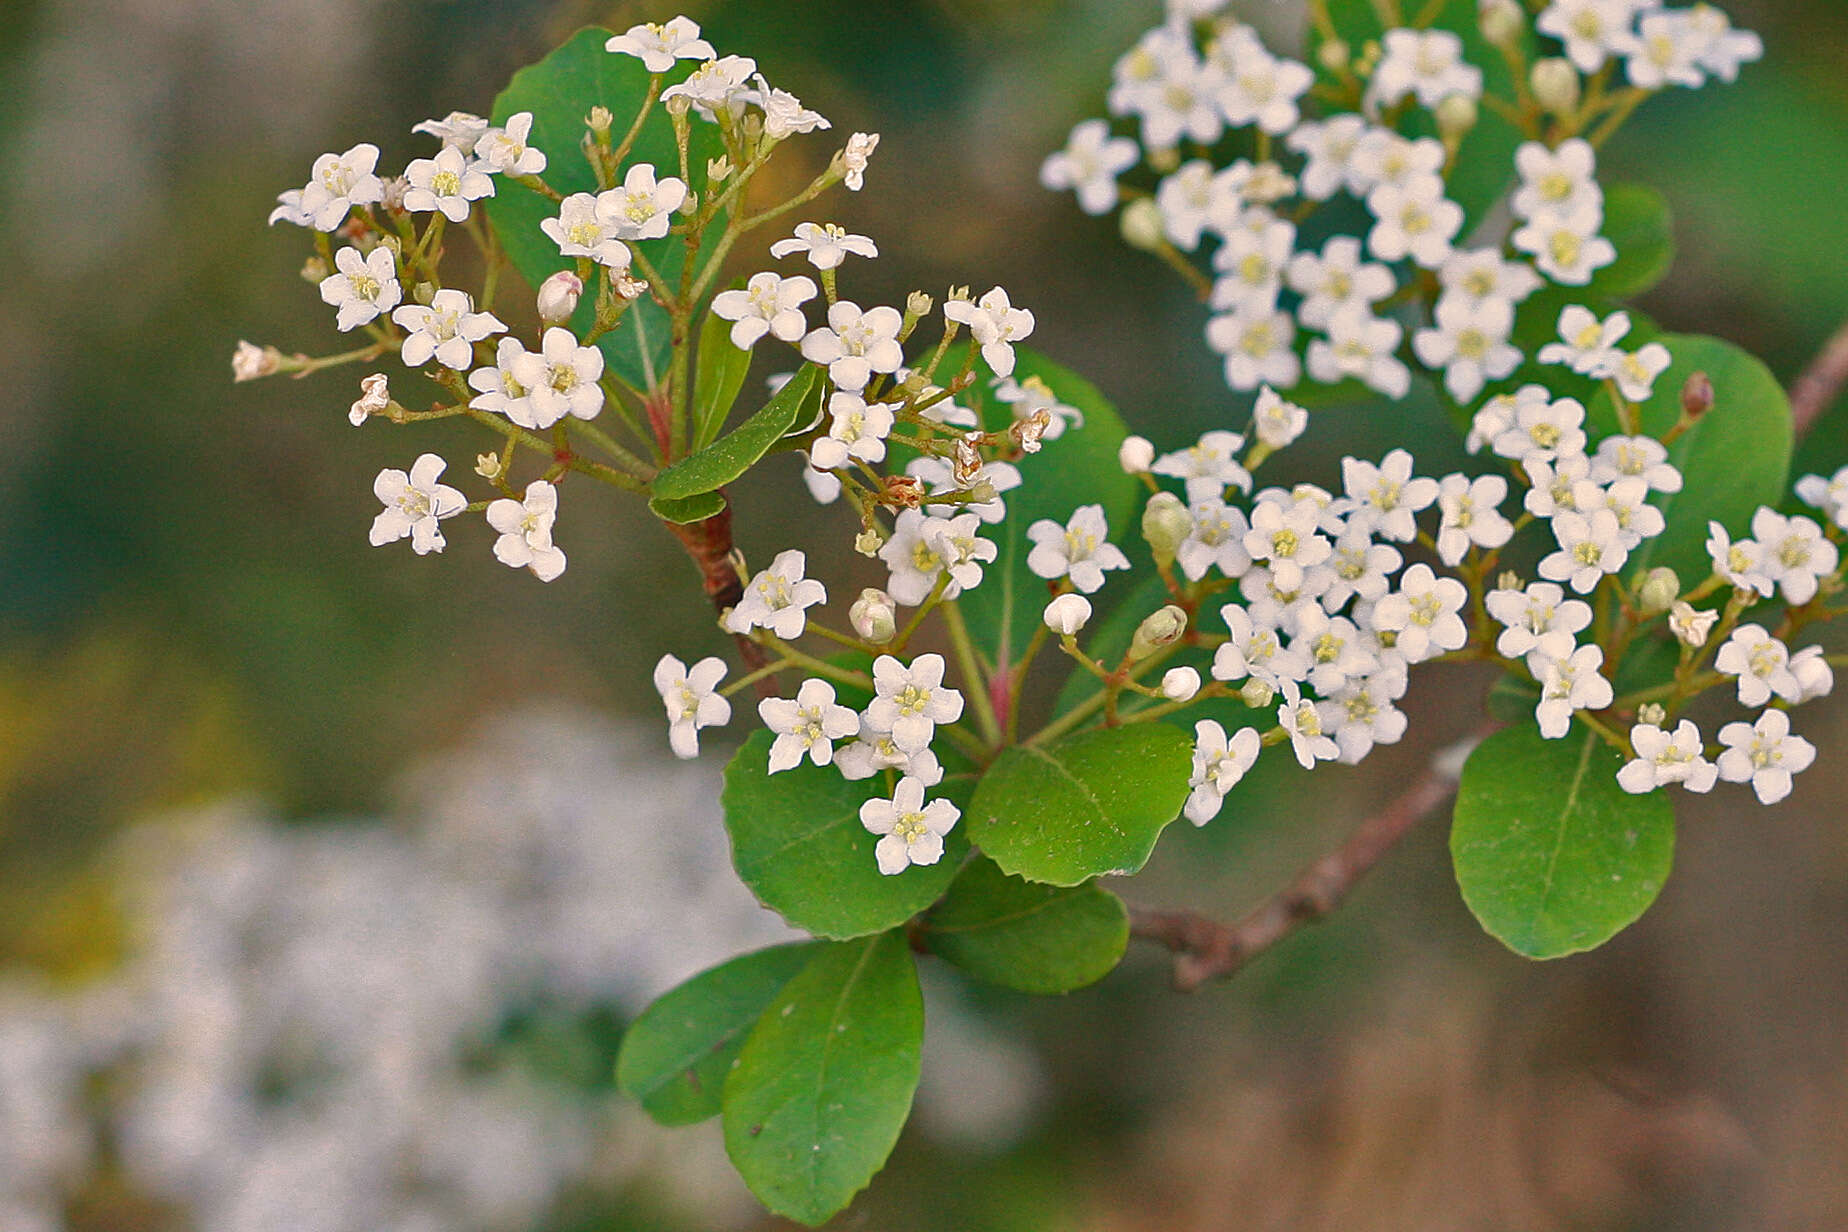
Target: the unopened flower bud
pixel 250 361
pixel 1502 22
pixel 1258 694
pixel 1690 624
pixel 1652 713
pixel 1165 525
pixel 1135 455
pixel 599 121
pixel 1658 592
pixel 1456 115
pixel 1165 160
pixel 1163 628
pixel 1333 55
pixel 424 292
pixel 874 616
pixel 869 541
pixel 374 396
pixel 1142 225
pixel 558 297
pixel 983 492
pixel 1067 614
pixel 1556 86
pixel 1179 684
pixel 1697 396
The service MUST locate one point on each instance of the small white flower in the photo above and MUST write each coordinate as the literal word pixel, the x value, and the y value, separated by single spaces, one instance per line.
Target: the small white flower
pixel 1067 614
pixel 1258 88
pixel 1334 648
pixel 855 344
pixel 778 598
pixel 913 556
pixel 716 85
pixel 642 208
pixel 458 130
pixel 1829 496
pixel 1336 281
pixel 1384 157
pixel 1557 485
pixel 1590 546
pixel 1303 722
pixel 1276 422
pixel 1079 550
pixel 374 397
pixel 658 46
pixel 1362 346
pixel 1208 467
pixel 1793 553
pixel 1218 765
pixel 857 430
pixel 582 229
pixel 692 700
pixel 1385 497
pixel 1636 373
pixel 1423 612
pixel 525 528
pixel 1637 520
pixel 1761 663
pixel 1539 620
pixel 1742 564
pixel 1665 51
pixel 363 288
pixel 447 330
pixel 768 304
pixel 559 379
pixel 1662 758
pixel 445 183
pixel 874 751
pixel 1361 568
pixel 1483 274
pixel 995 324
pixel 1691 625
pixel 1726 48
pixel 1470 342
pixel 1216 541
pixel 911 701
pixel 1256 343
pixel 1284 536
pixel 1815 678
pixel 1428 63
pixel 1330 147
pixel 1590 29
pixel 1137 454
pixel 1251 262
pixel 859 148
pixel 784 114
pixel 499 388
pixel 1472 515
pixel 1415 221
pixel 414 505
pixel 806 727
pixel 1567 247
pixel 337 183
pixel 1569 685
pixel 1765 755
pixel 1089 165
pixel 1556 183
pixel 1541 430
pixel 1635 457
pixel 1361 714
pixel 1587 345
pixel 504 149
pixel 912 830
pixel 1254 649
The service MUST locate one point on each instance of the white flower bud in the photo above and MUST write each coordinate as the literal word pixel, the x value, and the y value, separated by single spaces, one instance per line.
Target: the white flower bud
pixel 1652 713
pixel 1333 55
pixel 1456 115
pixel 1179 684
pixel 1658 592
pixel 874 616
pixel 1067 614
pixel 1136 454
pixel 1163 628
pixel 1258 694
pixel 250 361
pixel 1502 22
pixel 558 297
pixel 1165 525
pixel 1142 224
pixel 1556 86
pixel 1164 161
pixel 1690 624
pixel 314 269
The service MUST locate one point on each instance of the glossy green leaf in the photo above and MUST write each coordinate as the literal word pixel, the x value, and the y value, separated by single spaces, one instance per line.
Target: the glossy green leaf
pixel 560 90
pixel 675 1056
pixel 824 1082
pixel 1085 806
pixel 1020 934
pixel 738 450
pixel 1638 222
pixel 688 509
pixel 1736 458
pixel 719 374
pixel 798 843
pixel 1552 856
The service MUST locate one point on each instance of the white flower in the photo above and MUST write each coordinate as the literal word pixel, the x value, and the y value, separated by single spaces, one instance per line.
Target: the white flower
pixel 1742 564
pixel 337 183
pixel 1556 183
pixel 499 387
pixel 363 288
pixel 1538 620
pixel 1303 722
pixel 856 429
pixel 1470 342
pixel 1482 274
pixel 1542 431
pixel 641 209
pixel 874 752
pixel 1764 754
pixel 1665 51
pixel 716 85
pixel 1590 29
pixel 414 505
pixel 859 148
pixel 913 555
pixel 807 726
pixel 1252 261
pixel 1183 100
pixel 1691 625
pixel 1472 515
pixel 1590 546
pixel 1761 663
pixel 692 700
pixel 583 230
pixel 1635 457
pixel 1336 281
pixel 447 330
pixel 1283 535
pixel 1208 466
pixel 1726 47
pixel 1384 157
pixel 1334 648
pixel 1256 87
pixel 784 114
pixel 768 304
pixel 525 528
pixel 1587 345
pixel 374 397
pixel 856 344
pixel 1188 201
pixel 778 598
pixel 911 701
pixel 825 244
pixel 1216 540
pixel 1089 164
pixel 250 362
pixel 1793 553
pixel 446 183
pixel 1256 343
pixel 1428 63
pixel 1276 422
pixel 1829 496
pixel 1067 614
pixel 504 149
pixel 1637 520
pixel 1636 373
pixel 1254 649
pixel 1078 550
pixel 1567 247
pixel 1815 678
pixel 458 130
pixel 962 551
pixel 1385 497
pixel 1423 612
pixel 1415 221
pixel 1569 685
pixel 557 298
pixel 559 379
pixel 1361 568
pixel 1330 146
pixel 1033 395
pixel 995 324
pixel 1662 758
pixel 1218 765
pixel 658 46
pixel 1362 346
pixel 1361 714
pixel 913 830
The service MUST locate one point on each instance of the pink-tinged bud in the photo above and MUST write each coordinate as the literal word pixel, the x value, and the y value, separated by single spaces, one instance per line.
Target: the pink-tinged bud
pixel 874 616
pixel 1697 396
pixel 558 297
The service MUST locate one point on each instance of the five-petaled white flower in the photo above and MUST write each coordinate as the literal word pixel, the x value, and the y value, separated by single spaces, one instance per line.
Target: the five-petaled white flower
pixel 1793 553
pixel 1207 467
pixel 445 183
pixel 458 130
pixel 1472 515
pixel 995 324
pixel 1383 498
pixel 768 304
pixel 363 288
pixel 447 330
pixel 414 505
pixel 642 208
pixel 1470 342
pixel 1078 550
pixel 1428 63
pixel 1218 765
pixel 912 830
pixel 1569 685
pixel 525 528
pixel 1663 757
pixel 337 184
pixel 857 429
pixel 1764 754
pixel 504 149
pixel 559 379
pixel 911 701
pixel 778 598
pixel 825 244
pixel 1277 422
pixel 1590 546
pixel 1538 620
pixel 658 45
pixel 1423 612
pixel 854 344
pixel 784 114
pixel 584 229
pixel 1740 563
pixel 807 726
pixel 1089 165
pixel 692 700
pixel 715 85
pixel 1761 663
pixel 1303 722
pixel 1415 221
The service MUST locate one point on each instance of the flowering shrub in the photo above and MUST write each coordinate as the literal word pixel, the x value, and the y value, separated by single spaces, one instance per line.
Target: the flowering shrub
pixel 1417 216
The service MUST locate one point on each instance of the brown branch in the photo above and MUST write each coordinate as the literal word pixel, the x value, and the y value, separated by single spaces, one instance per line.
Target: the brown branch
pixel 1815 391
pixel 1205 950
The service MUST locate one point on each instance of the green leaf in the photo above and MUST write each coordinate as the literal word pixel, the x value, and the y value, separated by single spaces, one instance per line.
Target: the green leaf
pixel 1085 806
pixel 1552 856
pixel 1512 698
pixel 825 1080
pixel 1036 938
pixel 1736 458
pixel 798 843
pixel 738 450
pixel 560 90
pixel 1638 222
pixel 688 509
pixel 721 368
pixel 675 1056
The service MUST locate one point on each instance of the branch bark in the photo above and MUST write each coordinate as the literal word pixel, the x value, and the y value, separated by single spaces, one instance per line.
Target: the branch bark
pixel 1814 392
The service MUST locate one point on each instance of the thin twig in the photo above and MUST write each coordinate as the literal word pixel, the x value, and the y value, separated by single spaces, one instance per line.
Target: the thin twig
pixel 1821 383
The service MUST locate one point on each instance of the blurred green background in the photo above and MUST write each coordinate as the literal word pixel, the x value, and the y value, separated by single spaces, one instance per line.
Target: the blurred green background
pixel 189 608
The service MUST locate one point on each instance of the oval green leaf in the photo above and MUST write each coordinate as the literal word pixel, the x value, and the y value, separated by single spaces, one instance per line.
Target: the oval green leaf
pixel 675 1056
pixel 798 843
pixel 1638 222
pixel 824 1082
pixel 1552 856
pixel 689 509
pixel 719 374
pixel 1086 806
pixel 1018 934
pixel 736 452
